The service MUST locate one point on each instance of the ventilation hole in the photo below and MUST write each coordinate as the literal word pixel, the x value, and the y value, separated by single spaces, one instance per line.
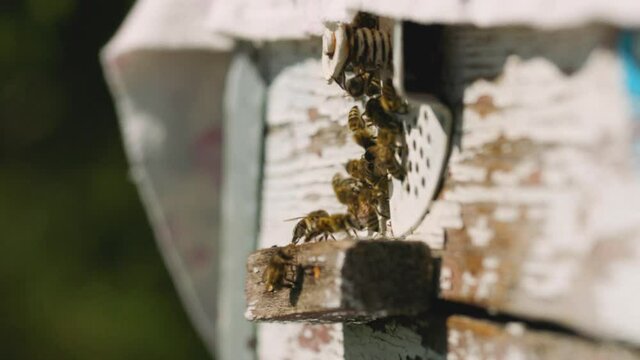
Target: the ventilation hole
pixel 408 125
pixel 422 181
pixel 414 144
pixel 410 166
pixel 415 191
pixel 428 138
pixel 428 163
pixel 420 129
pixel 408 188
pixel 417 168
pixel 421 154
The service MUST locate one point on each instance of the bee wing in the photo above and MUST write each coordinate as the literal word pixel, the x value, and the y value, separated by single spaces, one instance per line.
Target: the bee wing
pixel 295 218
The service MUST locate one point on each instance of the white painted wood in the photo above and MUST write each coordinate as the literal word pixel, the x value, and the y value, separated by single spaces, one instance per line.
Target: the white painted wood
pixel 306 145
pixel 470 338
pixel 533 203
pixel 300 341
pixel 278 19
pixel 539 178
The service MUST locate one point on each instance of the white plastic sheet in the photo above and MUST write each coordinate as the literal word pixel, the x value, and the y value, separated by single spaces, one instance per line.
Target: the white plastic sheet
pixel 166 72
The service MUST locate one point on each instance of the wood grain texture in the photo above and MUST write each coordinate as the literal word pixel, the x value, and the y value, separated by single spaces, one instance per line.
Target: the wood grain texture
pixel 342 281
pixel 538 215
pixel 307 139
pixel 436 336
pixel 306 144
pixel 469 338
pixel 277 19
pixel 538 179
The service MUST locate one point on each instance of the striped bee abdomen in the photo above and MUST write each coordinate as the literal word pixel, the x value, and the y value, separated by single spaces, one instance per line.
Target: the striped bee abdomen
pixel 355 120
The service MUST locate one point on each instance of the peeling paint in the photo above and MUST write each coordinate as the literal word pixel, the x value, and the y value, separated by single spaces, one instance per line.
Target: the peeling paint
pixel 445 278
pixel 481 233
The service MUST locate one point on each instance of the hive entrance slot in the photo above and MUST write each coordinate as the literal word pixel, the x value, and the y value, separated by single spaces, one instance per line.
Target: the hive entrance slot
pixel 420 57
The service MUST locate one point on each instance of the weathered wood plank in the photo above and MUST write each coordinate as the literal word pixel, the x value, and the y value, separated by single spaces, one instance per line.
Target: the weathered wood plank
pixel 540 200
pixel 469 338
pixel 346 280
pixel 305 145
pixel 277 20
pixel 437 336
pixel 539 178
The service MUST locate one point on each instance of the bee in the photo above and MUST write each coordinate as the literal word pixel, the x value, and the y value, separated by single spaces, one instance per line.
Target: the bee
pixel 280 270
pixel 375 114
pixel 367 213
pixel 362 170
pixel 388 137
pixel 355 121
pixel 326 226
pixel 380 191
pixel 346 189
pixel 364 83
pixel 306 225
pixel 361 134
pixel 384 156
pixel 389 99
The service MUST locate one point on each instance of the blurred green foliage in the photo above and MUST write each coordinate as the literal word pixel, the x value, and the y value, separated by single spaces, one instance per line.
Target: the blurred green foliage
pixel 80 274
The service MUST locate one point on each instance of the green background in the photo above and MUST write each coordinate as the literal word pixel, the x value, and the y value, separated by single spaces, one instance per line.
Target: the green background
pixel 80 275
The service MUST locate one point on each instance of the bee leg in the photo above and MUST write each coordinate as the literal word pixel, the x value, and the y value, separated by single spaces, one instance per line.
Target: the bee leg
pixel 290 283
pixel 340 80
pixel 309 237
pixel 381 214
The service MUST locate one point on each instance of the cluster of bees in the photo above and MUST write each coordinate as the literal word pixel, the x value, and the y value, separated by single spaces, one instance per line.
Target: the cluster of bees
pixel 365 191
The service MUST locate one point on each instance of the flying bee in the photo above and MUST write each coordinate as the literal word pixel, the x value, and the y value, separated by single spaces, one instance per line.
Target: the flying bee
pixel 362 170
pixel 307 225
pixel 361 134
pixel 280 270
pixel 389 99
pixel 375 113
pixel 346 189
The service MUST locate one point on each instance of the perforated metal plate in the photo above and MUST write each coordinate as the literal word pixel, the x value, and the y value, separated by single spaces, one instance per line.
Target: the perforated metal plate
pixel 427 134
